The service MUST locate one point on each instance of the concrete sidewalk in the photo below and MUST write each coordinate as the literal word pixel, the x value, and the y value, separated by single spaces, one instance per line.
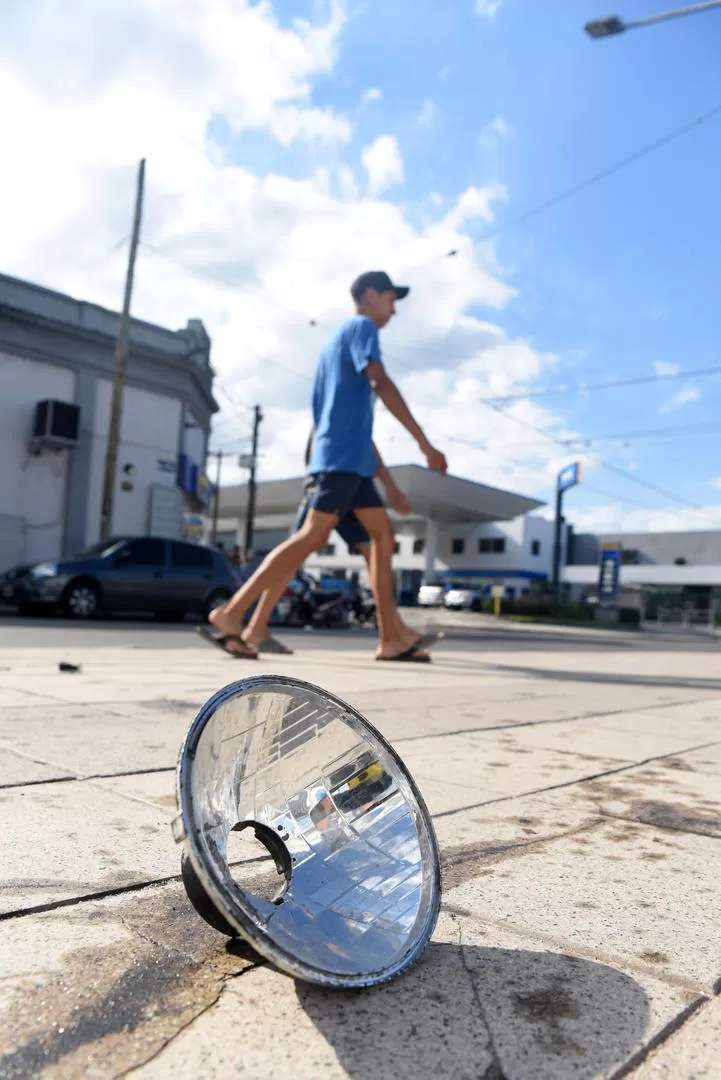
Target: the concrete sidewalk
pixel 577 799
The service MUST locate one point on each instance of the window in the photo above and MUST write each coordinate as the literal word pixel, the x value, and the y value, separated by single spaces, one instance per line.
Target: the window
pixel 191 556
pixel 458 545
pixel 535 547
pixel 329 549
pixel 485 544
pixel 419 546
pixel 396 547
pixel 144 553
pixel 499 545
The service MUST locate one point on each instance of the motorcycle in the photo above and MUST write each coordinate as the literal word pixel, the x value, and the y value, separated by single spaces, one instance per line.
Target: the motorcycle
pixel 363 608
pixel 314 607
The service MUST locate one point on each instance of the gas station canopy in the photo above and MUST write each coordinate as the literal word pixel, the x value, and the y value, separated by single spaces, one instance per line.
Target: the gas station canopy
pixel 444 499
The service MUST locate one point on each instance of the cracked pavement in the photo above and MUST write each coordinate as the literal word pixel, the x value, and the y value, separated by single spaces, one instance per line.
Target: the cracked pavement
pixel 575 784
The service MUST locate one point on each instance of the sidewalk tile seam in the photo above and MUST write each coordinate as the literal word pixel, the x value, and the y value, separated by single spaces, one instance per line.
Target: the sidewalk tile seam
pixel 558 720
pixel 568 783
pixel 622 963
pixel 662 1036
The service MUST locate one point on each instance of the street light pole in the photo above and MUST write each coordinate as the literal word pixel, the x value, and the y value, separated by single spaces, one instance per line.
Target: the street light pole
pixel 611 25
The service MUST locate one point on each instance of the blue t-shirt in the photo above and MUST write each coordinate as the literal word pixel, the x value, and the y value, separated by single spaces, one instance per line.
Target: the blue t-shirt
pixel 342 401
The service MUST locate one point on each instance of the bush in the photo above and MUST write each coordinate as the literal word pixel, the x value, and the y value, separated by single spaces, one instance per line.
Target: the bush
pixel 542 609
pixel 629 616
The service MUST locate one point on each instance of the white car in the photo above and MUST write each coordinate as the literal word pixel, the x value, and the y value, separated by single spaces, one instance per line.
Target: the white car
pixel 431 595
pixel 462 599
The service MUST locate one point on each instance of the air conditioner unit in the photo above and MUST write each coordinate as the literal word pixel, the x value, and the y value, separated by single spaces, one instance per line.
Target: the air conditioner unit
pixel 56 425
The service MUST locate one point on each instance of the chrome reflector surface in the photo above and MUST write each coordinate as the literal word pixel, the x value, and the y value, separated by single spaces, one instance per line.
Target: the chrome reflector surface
pixel 356 873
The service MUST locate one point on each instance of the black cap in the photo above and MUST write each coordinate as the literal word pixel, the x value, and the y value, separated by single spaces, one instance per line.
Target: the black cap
pixel 376 279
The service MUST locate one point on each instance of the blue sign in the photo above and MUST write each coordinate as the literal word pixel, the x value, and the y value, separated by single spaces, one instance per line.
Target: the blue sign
pixel 570 476
pixel 187 474
pixel 609 574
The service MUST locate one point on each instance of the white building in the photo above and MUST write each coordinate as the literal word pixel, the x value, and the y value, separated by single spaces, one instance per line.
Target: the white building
pixel 671 576
pixel 57 349
pixel 458 530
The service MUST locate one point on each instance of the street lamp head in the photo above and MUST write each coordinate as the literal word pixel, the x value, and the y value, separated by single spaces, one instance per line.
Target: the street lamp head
pixel 605 27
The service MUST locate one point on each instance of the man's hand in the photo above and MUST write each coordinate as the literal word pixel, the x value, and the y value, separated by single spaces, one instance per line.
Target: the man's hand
pixel 436 460
pixel 398 501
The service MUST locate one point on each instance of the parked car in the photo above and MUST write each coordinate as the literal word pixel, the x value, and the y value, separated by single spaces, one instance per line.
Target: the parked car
pixel 462 598
pixel 432 594
pixel 169 578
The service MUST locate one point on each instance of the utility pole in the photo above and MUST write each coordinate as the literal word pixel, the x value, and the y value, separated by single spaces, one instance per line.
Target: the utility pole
pixel 250 512
pixel 121 355
pixel 216 496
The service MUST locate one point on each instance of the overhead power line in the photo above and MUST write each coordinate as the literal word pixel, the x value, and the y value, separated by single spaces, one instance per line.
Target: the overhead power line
pixel 603 174
pixel 604 464
pixel 234 405
pixel 712 427
pixel 617 384
pixel 551 485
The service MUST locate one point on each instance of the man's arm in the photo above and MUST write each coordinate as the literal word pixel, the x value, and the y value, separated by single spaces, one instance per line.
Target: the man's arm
pixel 393 400
pixel 396 498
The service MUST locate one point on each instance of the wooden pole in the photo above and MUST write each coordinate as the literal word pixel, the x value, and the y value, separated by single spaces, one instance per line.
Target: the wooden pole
pixel 121 356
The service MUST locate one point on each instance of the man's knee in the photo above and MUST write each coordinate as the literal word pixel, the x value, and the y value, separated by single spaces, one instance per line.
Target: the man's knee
pixel 316 529
pixel 379 527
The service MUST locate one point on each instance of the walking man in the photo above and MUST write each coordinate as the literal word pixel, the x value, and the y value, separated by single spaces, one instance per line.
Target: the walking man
pixel 343 464
pixel 357 540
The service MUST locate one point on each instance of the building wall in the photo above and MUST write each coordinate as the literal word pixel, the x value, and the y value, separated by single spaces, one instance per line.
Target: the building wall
pixel 518 535
pixel 32 488
pixel 150 436
pixel 697 548
pixel 55 347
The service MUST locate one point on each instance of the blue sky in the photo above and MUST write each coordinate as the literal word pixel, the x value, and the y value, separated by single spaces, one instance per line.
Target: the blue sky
pixel 624 274
pixel 261 203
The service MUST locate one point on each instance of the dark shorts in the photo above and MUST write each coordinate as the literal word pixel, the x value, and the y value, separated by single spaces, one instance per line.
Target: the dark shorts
pixel 349 528
pixel 341 492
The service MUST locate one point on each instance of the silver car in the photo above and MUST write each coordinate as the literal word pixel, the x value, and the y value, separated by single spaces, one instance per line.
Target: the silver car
pixel 463 598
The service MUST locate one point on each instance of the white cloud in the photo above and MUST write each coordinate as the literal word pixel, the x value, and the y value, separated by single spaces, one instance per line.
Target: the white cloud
pixel 427 114
pixel 436 199
pixel 488 8
pixel 371 95
pixel 383 162
pixel 474 203
pixel 716 482
pixel 497 131
pixel 664 369
pixel 621 518
pixel 685 396
pixel 256 256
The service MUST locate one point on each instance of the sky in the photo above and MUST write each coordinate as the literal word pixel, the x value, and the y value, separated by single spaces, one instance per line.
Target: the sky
pixel 292 144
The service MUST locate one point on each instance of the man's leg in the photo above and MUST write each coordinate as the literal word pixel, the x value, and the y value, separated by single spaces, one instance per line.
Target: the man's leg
pixel 395 636
pixel 256 632
pixel 397 627
pixel 276 569
pixel 257 629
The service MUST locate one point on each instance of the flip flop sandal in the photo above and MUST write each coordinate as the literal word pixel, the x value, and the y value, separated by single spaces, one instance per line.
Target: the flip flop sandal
pixel 428 640
pixel 410 656
pixel 272 645
pixel 219 640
